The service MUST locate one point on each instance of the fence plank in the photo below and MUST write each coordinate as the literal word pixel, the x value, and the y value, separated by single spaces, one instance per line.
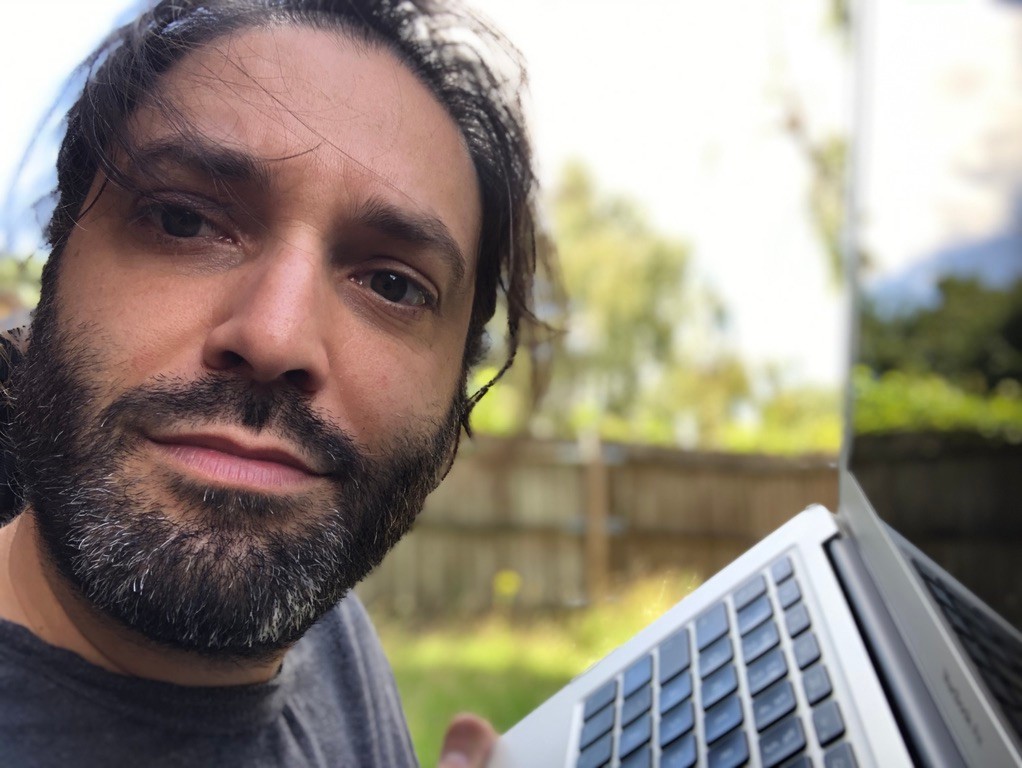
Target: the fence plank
pixel 570 528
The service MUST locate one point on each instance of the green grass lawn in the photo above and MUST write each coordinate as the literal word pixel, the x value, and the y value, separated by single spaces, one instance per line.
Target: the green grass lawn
pixel 501 666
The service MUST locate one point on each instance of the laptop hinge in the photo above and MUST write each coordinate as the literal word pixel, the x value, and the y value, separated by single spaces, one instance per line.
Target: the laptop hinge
pixel 920 721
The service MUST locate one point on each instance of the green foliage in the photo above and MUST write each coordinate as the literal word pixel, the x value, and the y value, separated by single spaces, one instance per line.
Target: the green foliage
pixel 839 19
pixel 791 421
pixel 972 336
pixel 954 366
pixel 624 283
pixel 502 669
pixel 899 401
pixel 19 281
pixel 644 357
pixel 504 409
pixel 829 160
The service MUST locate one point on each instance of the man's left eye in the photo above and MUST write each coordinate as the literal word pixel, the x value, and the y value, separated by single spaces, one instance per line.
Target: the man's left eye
pixel 178 221
pixel 398 289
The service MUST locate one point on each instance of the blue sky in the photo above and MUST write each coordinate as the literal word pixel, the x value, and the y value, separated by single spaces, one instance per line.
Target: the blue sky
pixel 40 43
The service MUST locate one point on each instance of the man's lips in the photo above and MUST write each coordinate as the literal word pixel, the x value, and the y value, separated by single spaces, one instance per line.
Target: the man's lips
pixel 226 460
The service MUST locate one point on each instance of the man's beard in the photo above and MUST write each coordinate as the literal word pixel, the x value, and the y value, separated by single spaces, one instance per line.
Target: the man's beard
pixel 233 573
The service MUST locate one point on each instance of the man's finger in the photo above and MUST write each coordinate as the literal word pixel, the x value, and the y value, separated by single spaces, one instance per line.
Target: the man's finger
pixel 467 743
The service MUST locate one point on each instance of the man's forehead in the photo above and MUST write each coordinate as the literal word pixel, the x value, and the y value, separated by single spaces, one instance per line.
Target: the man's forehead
pixel 292 98
pixel 290 86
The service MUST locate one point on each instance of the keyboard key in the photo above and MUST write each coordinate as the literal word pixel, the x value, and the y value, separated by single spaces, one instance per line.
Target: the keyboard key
pixel 1006 643
pixel 674 655
pixel 759 641
pixel 718 685
pixel 816 683
pixel 788 593
pixel 729 753
pixel 840 756
pixel 799 762
pixel 600 698
pixel 596 726
pixel 641 759
pixel 1002 687
pixel 781 570
pixel 677 722
pixel 676 691
pixel 796 619
pixel 992 629
pixel 942 595
pixel 681 754
pixel 1009 650
pixel 597 754
pixel 958 623
pixel 781 741
pixel 638 703
pixel 716 656
pixel 749 591
pixel 828 722
pixel 711 625
pixel 772 704
pixel 637 675
pixel 635 735
pixel 1002 648
pixel 766 670
pixel 977 651
pixel 806 649
pixel 754 614
pixel 721 718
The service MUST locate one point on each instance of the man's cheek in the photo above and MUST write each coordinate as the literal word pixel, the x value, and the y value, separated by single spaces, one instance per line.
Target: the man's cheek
pixel 384 404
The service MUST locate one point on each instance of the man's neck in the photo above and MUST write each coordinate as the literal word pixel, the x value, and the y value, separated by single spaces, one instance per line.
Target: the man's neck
pixel 33 595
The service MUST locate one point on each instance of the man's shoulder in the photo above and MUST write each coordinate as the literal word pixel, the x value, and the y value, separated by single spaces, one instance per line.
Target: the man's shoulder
pixel 344 655
pixel 334 703
pixel 346 641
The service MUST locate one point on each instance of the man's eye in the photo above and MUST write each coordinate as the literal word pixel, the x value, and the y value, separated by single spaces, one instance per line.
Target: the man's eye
pixel 177 221
pixel 398 289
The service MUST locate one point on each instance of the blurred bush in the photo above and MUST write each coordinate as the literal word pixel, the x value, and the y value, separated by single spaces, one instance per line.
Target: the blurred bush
pixel 503 670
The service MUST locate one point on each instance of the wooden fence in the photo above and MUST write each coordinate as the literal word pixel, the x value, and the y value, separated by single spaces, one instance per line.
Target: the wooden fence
pixel 563 522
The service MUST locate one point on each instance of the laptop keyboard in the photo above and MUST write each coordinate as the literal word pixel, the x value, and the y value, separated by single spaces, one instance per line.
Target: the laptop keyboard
pixel 683 703
pixel 996 653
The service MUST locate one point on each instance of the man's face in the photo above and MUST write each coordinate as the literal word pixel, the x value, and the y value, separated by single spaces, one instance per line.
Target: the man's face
pixel 256 362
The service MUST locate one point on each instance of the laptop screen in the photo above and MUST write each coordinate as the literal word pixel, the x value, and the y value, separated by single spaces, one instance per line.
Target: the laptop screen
pixel 937 379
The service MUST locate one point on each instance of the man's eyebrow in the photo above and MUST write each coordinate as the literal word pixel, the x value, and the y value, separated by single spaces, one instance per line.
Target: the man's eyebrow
pixel 413 228
pixel 203 157
pixel 225 164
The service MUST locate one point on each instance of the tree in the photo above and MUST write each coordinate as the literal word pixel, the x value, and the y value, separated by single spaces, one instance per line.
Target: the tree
pixel 19 286
pixel 971 335
pixel 644 355
pixel 953 366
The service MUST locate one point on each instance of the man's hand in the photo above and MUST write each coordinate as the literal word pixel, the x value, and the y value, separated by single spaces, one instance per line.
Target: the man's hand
pixel 467 743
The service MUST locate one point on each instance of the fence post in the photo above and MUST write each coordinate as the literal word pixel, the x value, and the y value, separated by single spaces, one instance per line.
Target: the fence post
pixel 597 511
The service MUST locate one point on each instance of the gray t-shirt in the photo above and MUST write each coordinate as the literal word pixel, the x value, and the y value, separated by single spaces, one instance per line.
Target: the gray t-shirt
pixel 334 703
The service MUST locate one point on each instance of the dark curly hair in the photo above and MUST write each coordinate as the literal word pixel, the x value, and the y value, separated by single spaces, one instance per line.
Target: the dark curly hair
pixel 469 67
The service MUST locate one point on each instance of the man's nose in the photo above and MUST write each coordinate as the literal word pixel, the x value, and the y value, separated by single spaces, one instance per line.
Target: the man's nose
pixel 271 324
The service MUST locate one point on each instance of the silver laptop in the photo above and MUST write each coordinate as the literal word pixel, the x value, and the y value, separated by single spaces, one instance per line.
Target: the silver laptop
pixel 837 641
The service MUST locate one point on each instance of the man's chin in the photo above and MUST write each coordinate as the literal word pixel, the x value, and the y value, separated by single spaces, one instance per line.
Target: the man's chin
pixel 225 584
pixel 223 572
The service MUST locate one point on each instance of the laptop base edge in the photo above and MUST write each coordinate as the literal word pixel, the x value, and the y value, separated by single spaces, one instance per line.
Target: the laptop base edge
pixel 918 716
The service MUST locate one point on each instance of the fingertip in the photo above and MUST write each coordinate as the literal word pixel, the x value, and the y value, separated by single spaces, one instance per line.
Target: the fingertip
pixel 467 743
pixel 454 760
